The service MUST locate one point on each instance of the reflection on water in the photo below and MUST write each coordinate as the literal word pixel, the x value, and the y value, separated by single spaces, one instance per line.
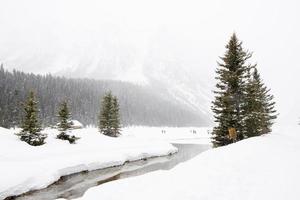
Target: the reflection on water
pixel 75 185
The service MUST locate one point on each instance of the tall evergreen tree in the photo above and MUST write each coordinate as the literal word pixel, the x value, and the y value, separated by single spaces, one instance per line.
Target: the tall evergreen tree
pixel 228 106
pixel 30 125
pixel 259 107
pixel 109 118
pixel 65 123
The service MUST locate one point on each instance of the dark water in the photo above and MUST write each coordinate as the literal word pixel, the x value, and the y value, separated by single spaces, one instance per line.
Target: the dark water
pixel 75 185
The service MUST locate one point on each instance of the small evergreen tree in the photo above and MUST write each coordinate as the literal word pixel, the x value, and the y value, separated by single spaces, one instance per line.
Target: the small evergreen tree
pixel 105 114
pixel 30 125
pixel 64 116
pixel 259 107
pixel 65 123
pixel 109 118
pixel 228 106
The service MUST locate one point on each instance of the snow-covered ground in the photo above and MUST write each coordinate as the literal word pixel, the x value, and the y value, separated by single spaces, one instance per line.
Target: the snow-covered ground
pixel 170 134
pixel 25 168
pixel 266 167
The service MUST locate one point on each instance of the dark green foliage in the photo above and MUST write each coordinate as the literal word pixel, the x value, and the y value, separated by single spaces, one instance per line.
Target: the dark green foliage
pixel 64 136
pixel 228 106
pixel 242 101
pixel 64 117
pixel 259 107
pixel 109 118
pixel 10 101
pixel 65 123
pixel 116 123
pixel 30 126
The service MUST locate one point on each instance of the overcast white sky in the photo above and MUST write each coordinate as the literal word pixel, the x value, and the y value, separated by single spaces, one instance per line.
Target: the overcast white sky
pixel 194 31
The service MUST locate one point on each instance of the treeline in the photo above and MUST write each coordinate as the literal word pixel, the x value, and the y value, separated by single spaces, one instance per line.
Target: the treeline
pixel 139 105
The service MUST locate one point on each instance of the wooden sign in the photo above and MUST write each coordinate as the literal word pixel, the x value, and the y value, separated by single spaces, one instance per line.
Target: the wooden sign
pixel 232 134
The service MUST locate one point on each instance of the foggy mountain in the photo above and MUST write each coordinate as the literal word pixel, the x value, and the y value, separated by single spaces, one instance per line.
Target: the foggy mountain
pixel 139 105
pixel 111 54
pixel 149 66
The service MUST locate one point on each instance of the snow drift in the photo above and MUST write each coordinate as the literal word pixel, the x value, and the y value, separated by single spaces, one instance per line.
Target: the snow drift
pixel 265 167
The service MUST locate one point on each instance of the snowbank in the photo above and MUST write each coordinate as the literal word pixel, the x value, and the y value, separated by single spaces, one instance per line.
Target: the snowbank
pixel 4 130
pixel 266 167
pixel 25 168
pixel 76 124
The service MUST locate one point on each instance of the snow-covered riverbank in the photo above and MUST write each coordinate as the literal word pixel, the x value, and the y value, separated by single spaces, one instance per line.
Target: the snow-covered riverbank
pixel 266 167
pixel 24 168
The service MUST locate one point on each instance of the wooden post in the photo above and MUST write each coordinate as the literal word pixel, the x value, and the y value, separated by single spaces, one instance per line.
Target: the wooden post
pixel 232 134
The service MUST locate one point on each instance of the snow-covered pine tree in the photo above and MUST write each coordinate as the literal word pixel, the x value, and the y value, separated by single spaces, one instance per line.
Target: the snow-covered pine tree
pixel 109 118
pixel 65 123
pixel 31 127
pixel 116 125
pixel 105 115
pixel 228 106
pixel 259 107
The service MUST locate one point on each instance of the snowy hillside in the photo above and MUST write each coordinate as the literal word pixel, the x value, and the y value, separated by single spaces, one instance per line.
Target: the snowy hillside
pixel 265 167
pixel 139 104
